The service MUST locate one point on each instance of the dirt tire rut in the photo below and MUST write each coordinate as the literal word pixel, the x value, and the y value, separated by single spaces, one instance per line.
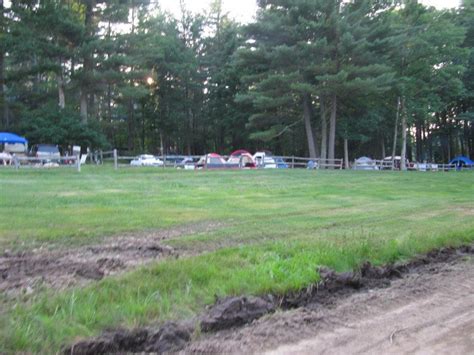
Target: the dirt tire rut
pixel 429 311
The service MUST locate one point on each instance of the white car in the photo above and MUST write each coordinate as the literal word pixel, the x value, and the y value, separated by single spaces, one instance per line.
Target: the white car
pixel 365 163
pixel 263 160
pixel 146 160
pixel 188 163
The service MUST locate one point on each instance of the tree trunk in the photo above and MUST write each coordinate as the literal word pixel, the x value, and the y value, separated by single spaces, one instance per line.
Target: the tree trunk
pixel 307 124
pixel 143 128
pixel 346 153
pixel 383 147
pixel 109 86
pixel 190 142
pixel 419 141
pixel 470 139
pixel 403 155
pixel 91 106
pixel 315 130
pixel 395 132
pixel 84 106
pixel 465 134
pixel 324 131
pixel 449 145
pixel 332 128
pixel 471 148
pixel 61 95
pixel 3 99
pixel 162 150
pixel 87 65
pixel 131 125
pixel 109 102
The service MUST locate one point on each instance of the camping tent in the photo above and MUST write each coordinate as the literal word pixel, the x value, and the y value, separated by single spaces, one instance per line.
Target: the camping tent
pixel 211 161
pixel 12 144
pixel 11 138
pixel 241 159
pixel 462 162
pixel 239 152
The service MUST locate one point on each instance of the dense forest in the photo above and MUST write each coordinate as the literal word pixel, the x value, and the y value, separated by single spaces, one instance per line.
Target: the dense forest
pixel 318 78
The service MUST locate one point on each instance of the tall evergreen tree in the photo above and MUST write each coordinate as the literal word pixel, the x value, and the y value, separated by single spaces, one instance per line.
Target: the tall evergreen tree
pixel 312 50
pixel 427 63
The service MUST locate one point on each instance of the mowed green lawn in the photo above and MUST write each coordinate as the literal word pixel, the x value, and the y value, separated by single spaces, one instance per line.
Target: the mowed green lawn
pixel 277 227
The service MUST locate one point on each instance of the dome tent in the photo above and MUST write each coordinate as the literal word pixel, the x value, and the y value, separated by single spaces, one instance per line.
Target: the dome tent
pixel 241 159
pixel 211 161
pixel 462 162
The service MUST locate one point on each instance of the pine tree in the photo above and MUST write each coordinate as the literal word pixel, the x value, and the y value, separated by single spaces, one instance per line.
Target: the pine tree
pixel 427 64
pixel 312 50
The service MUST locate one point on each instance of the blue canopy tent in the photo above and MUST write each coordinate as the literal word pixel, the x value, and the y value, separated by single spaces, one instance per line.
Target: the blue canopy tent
pixel 462 162
pixel 11 138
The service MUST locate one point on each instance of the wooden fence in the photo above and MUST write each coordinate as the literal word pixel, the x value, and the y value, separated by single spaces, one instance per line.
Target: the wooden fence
pixel 21 162
pixel 171 161
pixel 292 162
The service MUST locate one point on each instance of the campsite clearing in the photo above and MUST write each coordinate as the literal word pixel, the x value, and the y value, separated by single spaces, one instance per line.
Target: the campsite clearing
pixel 256 232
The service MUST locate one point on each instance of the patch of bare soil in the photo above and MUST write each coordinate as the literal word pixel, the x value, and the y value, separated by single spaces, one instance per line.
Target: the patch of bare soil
pixel 22 273
pixel 427 308
pixel 424 306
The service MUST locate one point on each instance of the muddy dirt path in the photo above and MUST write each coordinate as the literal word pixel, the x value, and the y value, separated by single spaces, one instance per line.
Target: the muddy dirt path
pixel 23 273
pixel 428 311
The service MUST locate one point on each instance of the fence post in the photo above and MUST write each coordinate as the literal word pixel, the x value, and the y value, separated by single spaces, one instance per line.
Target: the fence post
pixel 164 161
pixel 78 163
pixel 16 162
pixel 205 163
pixel 101 157
pixel 293 162
pixel 115 159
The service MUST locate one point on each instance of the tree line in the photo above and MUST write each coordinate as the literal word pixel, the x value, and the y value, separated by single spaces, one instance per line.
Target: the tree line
pixel 319 78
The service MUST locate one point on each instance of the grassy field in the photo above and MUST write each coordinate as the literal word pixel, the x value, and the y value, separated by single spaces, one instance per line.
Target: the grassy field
pixel 277 227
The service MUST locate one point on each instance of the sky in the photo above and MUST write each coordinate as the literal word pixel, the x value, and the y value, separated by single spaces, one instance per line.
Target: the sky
pixel 244 10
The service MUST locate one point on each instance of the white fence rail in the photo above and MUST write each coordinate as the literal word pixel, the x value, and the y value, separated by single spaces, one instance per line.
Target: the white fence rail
pixel 173 161
pixel 21 162
pixel 291 162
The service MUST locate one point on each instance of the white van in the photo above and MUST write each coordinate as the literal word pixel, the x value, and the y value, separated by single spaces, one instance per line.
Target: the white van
pixel 263 160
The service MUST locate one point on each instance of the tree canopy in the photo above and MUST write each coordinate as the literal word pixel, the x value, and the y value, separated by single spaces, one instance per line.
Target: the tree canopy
pixel 319 78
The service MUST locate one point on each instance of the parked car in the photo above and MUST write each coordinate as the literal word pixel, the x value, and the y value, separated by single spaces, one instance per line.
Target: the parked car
pixel 46 153
pixel 188 163
pixel 387 161
pixel 146 160
pixel 365 163
pixel 173 159
pixel 19 149
pixel 264 160
pixel 280 163
pixel 423 166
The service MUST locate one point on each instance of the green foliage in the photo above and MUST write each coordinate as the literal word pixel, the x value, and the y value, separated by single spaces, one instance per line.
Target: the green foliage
pixel 203 82
pixel 50 124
